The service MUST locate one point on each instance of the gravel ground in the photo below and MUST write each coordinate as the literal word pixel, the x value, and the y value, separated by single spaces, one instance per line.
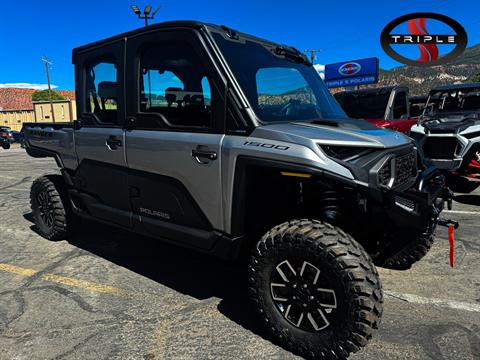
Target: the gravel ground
pixel 109 294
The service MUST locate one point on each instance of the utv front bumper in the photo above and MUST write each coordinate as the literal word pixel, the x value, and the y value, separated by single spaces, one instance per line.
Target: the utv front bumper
pixel 419 207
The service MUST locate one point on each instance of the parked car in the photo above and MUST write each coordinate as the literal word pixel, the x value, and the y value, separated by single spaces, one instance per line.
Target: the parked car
pixel 449 131
pixel 386 107
pixel 246 160
pixel 17 136
pixel 4 143
pixel 6 133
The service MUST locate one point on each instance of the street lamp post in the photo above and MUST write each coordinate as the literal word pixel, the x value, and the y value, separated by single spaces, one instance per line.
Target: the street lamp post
pixel 147 12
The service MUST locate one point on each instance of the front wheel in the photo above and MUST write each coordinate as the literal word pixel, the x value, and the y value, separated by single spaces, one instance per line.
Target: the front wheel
pixel 316 289
pixel 6 145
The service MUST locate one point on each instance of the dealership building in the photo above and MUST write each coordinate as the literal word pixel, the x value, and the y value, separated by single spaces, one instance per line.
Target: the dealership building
pixel 17 107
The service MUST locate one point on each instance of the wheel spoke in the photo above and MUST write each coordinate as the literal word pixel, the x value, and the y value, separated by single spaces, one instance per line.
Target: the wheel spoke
pixel 327 298
pixel 311 270
pixel 274 293
pixel 286 267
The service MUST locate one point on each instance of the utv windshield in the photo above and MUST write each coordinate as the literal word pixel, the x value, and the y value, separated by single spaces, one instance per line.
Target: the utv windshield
pixel 369 105
pixel 454 101
pixel 280 87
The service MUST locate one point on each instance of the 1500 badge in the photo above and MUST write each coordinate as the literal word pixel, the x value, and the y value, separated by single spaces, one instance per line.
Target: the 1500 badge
pixel 266 145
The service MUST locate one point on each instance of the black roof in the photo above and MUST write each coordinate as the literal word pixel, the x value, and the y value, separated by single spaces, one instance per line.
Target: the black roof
pixel 457 86
pixel 192 24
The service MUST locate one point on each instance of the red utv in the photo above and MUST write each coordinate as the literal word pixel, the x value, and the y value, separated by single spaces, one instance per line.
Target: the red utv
pixel 386 107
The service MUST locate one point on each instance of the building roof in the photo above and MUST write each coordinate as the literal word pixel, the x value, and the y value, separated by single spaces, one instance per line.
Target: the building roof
pixel 21 99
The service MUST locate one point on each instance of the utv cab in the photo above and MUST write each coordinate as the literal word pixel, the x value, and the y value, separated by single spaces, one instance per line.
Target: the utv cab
pixel 386 107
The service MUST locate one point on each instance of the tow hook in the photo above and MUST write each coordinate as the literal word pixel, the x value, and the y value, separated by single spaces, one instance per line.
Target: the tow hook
pixel 451 225
pixel 448 223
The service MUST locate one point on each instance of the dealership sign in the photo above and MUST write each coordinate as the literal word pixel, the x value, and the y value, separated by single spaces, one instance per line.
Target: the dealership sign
pixel 351 73
pixel 452 41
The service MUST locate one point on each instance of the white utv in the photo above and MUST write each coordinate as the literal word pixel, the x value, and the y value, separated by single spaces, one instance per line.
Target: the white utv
pixel 448 132
pixel 232 145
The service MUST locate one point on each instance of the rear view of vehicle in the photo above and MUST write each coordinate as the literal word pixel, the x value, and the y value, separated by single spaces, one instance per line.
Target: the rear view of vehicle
pixel 449 131
pixel 386 107
pixel 6 137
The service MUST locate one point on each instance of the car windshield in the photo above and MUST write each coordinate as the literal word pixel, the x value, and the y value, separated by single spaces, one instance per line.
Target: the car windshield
pixel 369 105
pixel 279 88
pixel 454 101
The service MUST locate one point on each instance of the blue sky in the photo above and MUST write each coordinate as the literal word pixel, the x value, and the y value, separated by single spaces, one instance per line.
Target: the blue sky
pixel 342 29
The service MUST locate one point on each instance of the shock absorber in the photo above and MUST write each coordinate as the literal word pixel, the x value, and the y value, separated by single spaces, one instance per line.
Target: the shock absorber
pixel 330 205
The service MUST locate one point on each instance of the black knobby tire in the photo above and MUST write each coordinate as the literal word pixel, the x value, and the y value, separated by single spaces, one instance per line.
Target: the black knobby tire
pixel 50 207
pixel 6 145
pixel 343 266
pixel 409 254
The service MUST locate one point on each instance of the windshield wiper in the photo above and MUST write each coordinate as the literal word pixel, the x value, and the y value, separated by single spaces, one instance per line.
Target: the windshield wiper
pixel 292 54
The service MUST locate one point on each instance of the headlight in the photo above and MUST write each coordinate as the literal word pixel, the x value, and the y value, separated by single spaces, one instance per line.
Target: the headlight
pixel 345 153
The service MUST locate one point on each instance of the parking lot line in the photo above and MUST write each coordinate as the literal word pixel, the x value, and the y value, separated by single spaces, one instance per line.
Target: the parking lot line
pixel 462 212
pixel 452 304
pixel 86 285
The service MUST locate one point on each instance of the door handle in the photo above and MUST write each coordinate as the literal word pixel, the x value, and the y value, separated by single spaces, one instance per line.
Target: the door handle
pixel 204 156
pixel 113 143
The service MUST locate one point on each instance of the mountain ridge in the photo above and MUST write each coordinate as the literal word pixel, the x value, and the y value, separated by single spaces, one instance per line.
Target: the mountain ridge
pixel 421 79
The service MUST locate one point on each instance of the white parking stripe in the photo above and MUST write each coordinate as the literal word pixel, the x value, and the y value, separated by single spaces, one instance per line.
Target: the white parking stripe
pixel 452 304
pixel 461 212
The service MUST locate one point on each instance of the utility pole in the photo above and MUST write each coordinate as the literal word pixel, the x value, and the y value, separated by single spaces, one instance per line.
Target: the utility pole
pixel 312 53
pixel 47 63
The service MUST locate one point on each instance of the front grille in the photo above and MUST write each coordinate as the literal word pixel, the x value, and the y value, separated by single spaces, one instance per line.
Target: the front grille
pixel 440 147
pixel 404 168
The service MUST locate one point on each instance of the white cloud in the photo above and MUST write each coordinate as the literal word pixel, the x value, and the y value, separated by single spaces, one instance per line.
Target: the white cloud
pixel 320 69
pixel 27 86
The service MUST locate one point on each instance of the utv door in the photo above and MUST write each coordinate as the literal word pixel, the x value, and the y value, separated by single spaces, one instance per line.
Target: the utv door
pixel 173 146
pixel 400 112
pixel 101 178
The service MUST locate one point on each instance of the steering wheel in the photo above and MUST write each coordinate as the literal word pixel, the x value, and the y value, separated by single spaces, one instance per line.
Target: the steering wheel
pixel 290 107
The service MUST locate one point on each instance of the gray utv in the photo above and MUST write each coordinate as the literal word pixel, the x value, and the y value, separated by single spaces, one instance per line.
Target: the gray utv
pixel 232 145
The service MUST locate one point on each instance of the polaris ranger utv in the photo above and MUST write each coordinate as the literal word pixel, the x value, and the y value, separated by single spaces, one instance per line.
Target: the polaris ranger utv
pixel 386 107
pixel 448 131
pixel 232 145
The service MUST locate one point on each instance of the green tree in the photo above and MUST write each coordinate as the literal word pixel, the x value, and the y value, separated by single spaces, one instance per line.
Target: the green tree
pixel 44 95
pixel 475 78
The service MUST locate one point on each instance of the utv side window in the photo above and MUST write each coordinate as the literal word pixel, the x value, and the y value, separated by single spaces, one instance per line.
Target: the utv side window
pixel 174 85
pixel 400 105
pixel 101 91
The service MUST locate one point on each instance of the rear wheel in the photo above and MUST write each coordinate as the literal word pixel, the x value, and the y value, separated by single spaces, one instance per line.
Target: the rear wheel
pixel 6 145
pixel 50 207
pixel 316 289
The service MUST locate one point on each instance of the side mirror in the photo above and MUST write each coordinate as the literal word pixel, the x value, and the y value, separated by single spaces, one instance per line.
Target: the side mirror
pixel 77 124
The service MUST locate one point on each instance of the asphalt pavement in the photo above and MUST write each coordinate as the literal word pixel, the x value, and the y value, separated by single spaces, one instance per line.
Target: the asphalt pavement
pixel 110 294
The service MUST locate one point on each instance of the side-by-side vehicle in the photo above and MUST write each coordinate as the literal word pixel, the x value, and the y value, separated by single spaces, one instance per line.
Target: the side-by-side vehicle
pixel 232 145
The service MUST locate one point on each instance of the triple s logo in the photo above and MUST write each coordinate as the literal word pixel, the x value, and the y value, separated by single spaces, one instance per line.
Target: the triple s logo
pixel 349 69
pixel 452 41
